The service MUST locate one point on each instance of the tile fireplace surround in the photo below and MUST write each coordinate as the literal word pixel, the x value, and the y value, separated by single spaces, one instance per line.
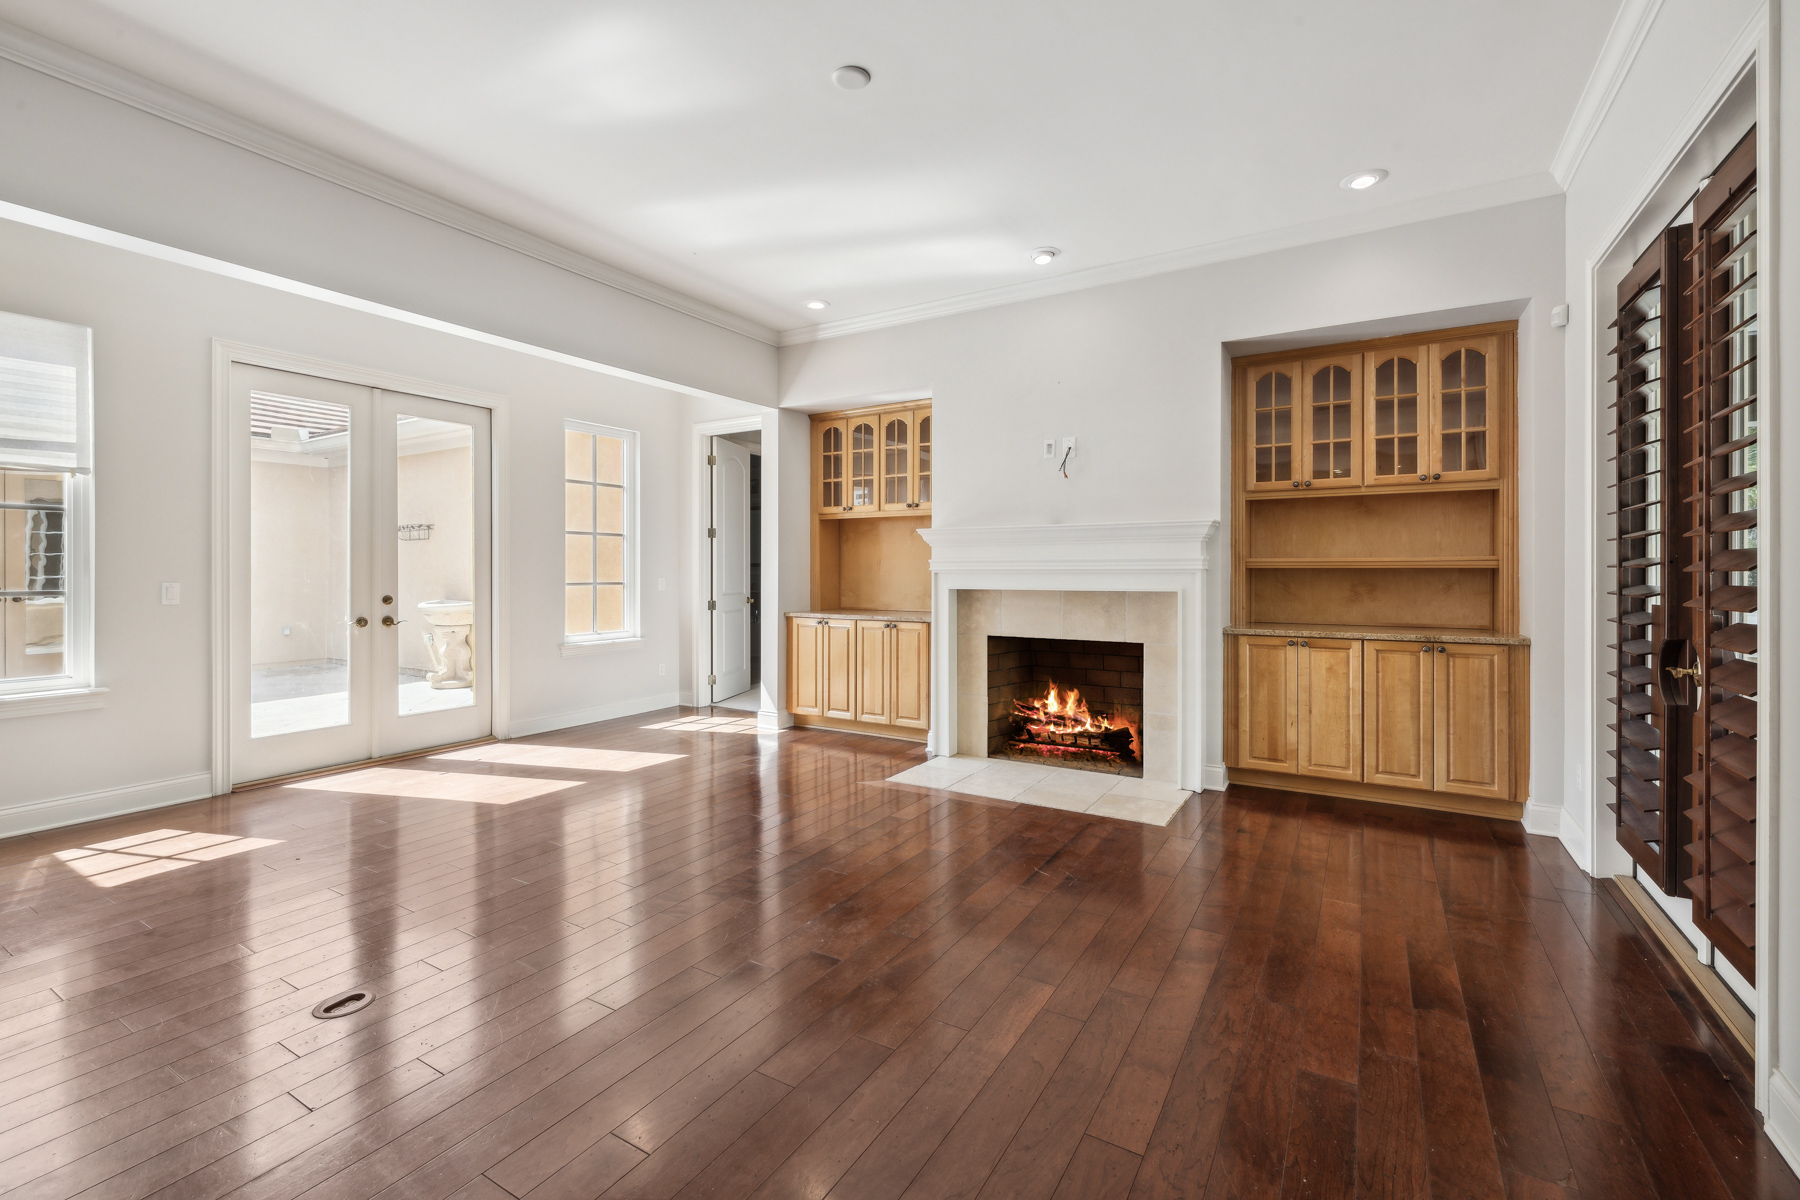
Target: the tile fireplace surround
pixel 1143 582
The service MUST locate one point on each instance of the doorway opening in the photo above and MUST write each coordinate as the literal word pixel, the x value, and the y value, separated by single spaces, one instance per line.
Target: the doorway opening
pixel 734 570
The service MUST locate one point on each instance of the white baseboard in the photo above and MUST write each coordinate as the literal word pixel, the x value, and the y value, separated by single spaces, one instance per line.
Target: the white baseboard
pixel 1212 776
pixel 108 802
pixel 1544 817
pixel 1782 1121
pixel 550 722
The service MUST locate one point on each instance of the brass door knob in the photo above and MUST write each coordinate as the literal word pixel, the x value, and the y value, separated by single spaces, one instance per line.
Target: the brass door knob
pixel 390 622
pixel 361 622
pixel 1684 672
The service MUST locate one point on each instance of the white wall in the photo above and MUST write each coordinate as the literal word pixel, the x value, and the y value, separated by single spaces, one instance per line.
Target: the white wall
pixel 153 325
pixel 69 151
pixel 1137 372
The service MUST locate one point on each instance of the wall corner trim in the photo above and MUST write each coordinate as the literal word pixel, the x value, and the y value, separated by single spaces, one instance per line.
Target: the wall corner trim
pixel 1631 25
pixel 1782 1121
pixel 38 815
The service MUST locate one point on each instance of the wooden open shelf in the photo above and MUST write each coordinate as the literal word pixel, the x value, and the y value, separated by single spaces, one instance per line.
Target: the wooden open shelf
pixel 1488 562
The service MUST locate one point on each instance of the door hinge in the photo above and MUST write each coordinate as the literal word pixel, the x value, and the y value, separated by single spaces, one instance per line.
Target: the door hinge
pixel 712 531
pixel 712 460
pixel 712 606
pixel 711 679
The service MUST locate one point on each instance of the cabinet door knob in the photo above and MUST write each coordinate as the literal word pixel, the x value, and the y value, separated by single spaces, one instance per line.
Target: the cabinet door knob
pixel 1290 641
pixel 1424 649
pixel 1303 641
pixel 1308 483
pixel 1437 475
pixel 1423 478
pixel 1440 649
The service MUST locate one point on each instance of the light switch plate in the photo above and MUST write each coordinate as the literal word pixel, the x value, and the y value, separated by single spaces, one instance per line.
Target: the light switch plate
pixel 171 593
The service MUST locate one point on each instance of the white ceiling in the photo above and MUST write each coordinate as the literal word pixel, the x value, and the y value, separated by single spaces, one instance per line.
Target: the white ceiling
pixel 700 143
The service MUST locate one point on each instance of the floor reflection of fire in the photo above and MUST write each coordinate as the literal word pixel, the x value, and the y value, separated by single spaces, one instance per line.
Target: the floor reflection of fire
pixel 1059 725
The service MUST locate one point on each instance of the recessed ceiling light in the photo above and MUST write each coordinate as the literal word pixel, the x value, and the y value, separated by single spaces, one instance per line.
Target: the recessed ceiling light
pixel 1043 256
pixel 1362 180
pixel 816 305
pixel 850 78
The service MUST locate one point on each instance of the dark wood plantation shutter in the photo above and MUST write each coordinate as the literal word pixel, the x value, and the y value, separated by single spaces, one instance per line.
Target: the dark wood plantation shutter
pixel 1721 409
pixel 1651 718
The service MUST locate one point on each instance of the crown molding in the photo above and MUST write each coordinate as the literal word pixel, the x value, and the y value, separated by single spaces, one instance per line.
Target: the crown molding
pixel 1445 204
pixel 1631 25
pixel 63 62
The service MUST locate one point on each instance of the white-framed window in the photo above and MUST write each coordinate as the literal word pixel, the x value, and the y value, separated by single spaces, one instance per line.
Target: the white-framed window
pixel 46 508
pixel 600 583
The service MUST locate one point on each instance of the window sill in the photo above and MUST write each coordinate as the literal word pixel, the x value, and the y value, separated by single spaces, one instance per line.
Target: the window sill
pixel 574 649
pixel 32 704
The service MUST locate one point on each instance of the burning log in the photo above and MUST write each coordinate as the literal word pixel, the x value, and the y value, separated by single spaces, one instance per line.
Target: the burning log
pixel 1062 721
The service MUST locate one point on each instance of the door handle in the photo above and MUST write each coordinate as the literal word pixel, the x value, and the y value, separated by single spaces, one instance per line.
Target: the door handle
pixel 1684 672
pixel 359 622
pixel 390 622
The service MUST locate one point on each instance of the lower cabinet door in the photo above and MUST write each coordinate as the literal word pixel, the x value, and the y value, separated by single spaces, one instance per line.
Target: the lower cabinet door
pixel 837 682
pixel 1330 694
pixel 911 674
pixel 1267 709
pixel 1397 713
pixel 806 662
pixel 1472 720
pixel 874 671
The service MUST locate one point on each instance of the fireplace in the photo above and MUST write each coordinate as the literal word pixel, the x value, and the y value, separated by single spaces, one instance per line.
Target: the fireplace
pixel 1067 703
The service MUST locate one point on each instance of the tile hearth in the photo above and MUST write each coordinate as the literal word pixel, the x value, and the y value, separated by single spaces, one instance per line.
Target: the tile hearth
pixel 1118 796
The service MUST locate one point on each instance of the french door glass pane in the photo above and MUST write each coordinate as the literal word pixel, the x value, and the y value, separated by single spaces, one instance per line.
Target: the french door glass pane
pixel 299 565
pixel 434 498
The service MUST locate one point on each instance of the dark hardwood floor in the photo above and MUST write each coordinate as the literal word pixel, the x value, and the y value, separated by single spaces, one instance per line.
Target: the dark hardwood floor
pixel 665 957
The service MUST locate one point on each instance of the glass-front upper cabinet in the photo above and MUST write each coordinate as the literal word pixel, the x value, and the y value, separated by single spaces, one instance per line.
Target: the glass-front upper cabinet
pixel 861 494
pixel 1331 422
pixel 1394 382
pixel 922 459
pixel 1271 393
pixel 1463 388
pixel 831 466
pixel 898 461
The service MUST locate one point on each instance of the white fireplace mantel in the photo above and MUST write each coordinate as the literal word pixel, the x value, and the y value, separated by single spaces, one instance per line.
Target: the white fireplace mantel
pixel 1146 556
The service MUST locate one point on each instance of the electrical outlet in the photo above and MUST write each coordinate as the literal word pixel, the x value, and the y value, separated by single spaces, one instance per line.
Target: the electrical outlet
pixel 1049 449
pixel 1067 450
pixel 171 593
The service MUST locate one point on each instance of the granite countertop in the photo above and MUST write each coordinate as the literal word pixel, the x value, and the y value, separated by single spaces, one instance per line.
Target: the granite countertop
pixel 867 614
pixel 1378 634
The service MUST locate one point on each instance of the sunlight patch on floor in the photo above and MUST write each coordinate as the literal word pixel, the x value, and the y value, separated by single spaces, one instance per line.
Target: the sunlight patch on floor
pixel 563 757
pixel 708 725
pixel 141 855
pixel 437 785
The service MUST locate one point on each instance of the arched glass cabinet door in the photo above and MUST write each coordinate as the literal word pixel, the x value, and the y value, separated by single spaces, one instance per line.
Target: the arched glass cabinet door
pixel 1465 384
pixel 922 459
pixel 1331 422
pixel 863 465
pixel 831 461
pixel 1270 393
pixel 1394 410
pixel 896 461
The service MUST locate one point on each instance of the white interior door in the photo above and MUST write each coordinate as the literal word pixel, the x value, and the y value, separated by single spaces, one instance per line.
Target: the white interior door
pixel 730 607
pixel 360 551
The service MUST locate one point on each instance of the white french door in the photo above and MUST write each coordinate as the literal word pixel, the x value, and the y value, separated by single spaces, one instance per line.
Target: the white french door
pixel 361 571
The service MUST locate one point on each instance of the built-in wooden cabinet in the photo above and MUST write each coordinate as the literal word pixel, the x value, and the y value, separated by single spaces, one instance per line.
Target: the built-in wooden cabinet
pixel 1376 506
pixel 873 477
pixel 873 673
pixel 1424 716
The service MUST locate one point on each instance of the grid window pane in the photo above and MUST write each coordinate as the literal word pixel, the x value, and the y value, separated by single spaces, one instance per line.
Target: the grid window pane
pixel 609 507
pixel 578 455
pixel 578 508
pixel 609 560
pixel 609 608
pixel 578 558
pixel 578 610
pixel 609 460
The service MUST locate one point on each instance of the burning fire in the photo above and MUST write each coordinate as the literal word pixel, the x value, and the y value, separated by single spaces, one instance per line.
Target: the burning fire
pixel 1062 720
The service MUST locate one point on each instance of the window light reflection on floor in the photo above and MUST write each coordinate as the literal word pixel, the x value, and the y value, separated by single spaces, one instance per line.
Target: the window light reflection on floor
pixel 470 787
pixel 142 855
pixel 704 724
pixel 560 757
